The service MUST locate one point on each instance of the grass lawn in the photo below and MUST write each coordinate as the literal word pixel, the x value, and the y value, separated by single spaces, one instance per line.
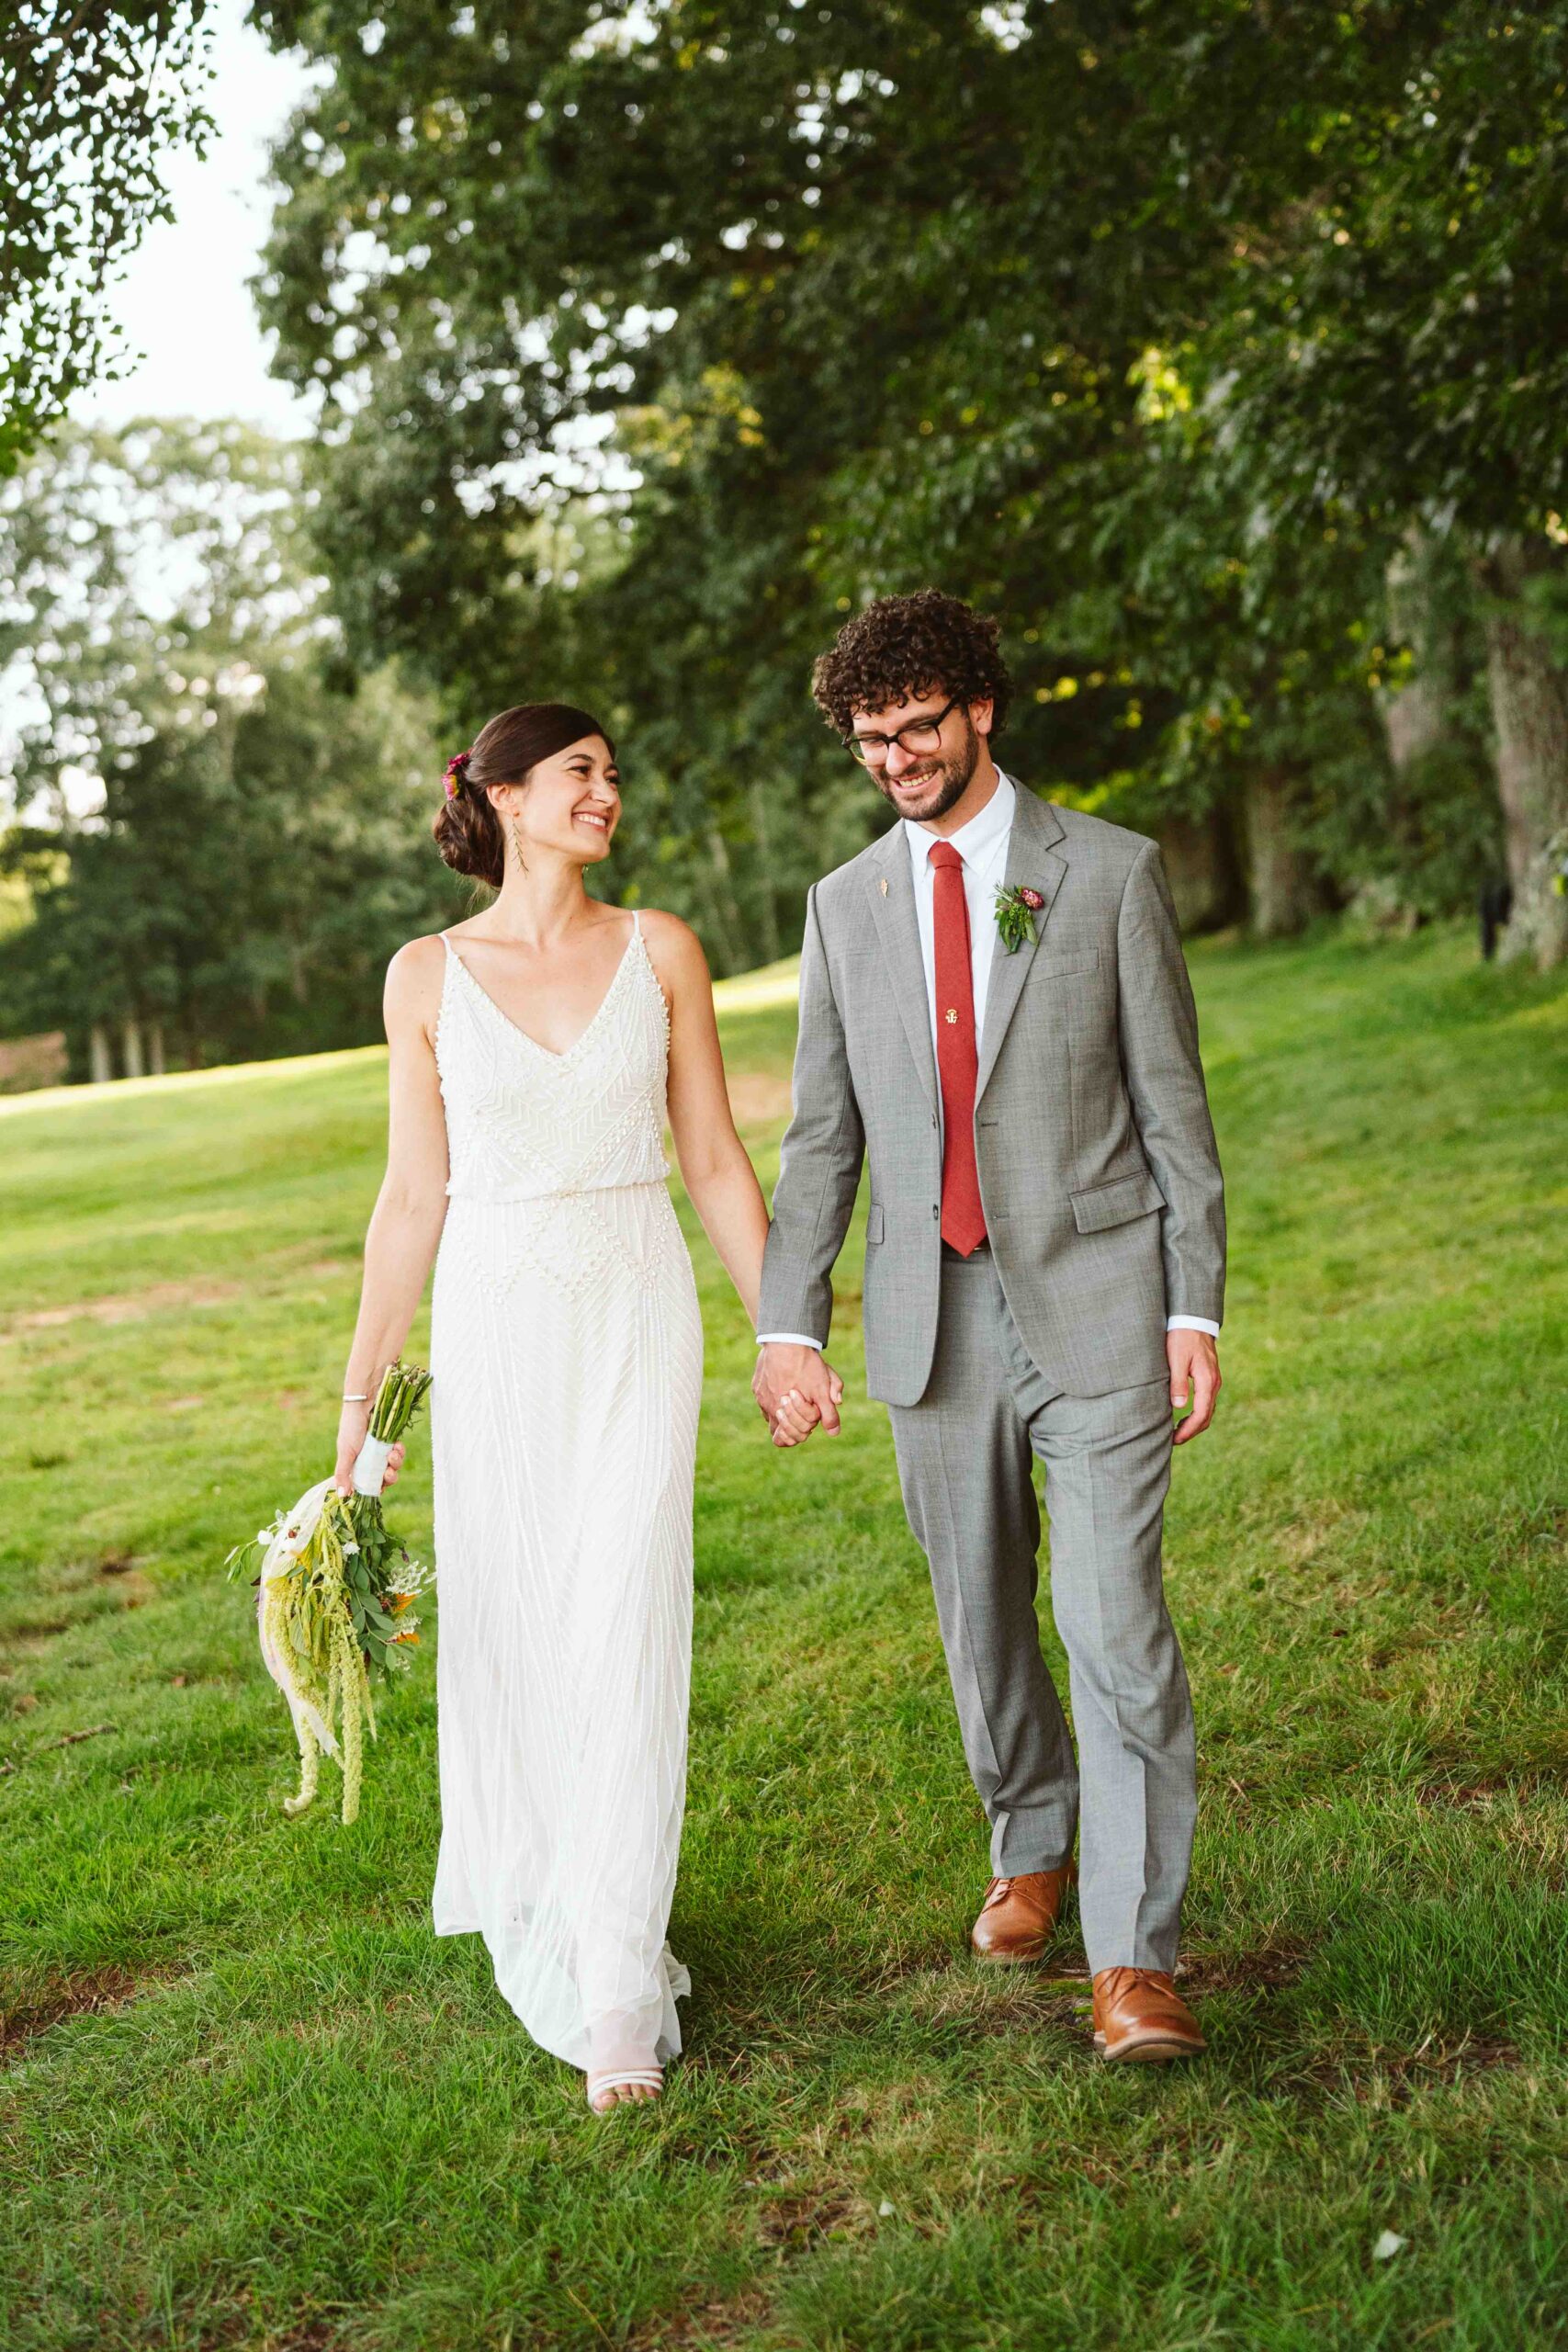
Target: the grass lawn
pixel 248 2101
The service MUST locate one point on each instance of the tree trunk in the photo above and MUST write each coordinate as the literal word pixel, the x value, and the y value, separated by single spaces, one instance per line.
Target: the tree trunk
pixel 155 1061
pixel 769 941
pixel 1415 717
pixel 132 1032
pixel 1280 882
pixel 1203 866
pixel 721 897
pixel 1530 716
pixel 100 1062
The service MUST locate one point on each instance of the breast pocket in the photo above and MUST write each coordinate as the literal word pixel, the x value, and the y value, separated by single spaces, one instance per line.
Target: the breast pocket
pixel 1066 966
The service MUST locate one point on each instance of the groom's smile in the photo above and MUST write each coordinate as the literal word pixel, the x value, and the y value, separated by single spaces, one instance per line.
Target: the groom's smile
pixel 934 787
pixel 923 755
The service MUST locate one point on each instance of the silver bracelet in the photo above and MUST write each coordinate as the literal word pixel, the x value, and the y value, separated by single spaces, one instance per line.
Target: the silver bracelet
pixel 364 1399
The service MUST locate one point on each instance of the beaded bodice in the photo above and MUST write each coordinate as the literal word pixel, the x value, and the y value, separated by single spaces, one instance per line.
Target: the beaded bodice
pixel 525 1123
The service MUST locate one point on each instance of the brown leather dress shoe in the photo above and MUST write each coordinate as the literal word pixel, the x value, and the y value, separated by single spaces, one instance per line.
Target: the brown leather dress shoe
pixel 1139 2014
pixel 1018 1917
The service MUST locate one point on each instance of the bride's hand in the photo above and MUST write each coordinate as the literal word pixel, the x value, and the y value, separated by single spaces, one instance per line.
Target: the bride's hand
pixel 352 1426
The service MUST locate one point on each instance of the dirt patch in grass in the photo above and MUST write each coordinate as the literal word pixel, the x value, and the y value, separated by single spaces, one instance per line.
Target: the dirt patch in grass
pixel 1267 1969
pixel 129 1308
pixel 1394 2078
pixel 94 1995
pixel 116 1564
pixel 1478 1795
pixel 791 2228
pixel 794 2225
pixel 705 2327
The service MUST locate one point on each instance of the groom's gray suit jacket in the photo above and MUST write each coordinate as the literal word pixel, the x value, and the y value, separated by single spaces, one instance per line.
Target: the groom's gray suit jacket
pixel 1101 1181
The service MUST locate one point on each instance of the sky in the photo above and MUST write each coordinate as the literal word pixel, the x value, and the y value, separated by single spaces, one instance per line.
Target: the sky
pixel 184 303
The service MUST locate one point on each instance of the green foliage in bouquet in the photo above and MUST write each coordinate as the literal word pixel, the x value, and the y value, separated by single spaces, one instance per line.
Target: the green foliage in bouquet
pixel 334 1605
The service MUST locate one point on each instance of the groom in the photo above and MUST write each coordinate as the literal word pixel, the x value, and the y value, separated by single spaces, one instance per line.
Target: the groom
pixel 1044 1271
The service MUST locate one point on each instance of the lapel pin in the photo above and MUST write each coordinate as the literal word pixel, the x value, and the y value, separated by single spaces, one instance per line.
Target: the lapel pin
pixel 881 886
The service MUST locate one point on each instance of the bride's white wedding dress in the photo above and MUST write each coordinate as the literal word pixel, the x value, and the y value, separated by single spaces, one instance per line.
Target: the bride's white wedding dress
pixel 566 1353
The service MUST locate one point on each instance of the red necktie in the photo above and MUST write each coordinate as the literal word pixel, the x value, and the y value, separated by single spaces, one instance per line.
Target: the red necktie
pixel 963 1218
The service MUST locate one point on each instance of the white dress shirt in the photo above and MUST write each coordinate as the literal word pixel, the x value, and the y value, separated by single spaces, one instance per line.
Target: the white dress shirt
pixel 982 843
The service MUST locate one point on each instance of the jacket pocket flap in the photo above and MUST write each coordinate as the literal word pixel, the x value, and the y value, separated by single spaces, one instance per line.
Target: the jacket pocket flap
pixel 1115 1204
pixel 1063 967
pixel 873 1223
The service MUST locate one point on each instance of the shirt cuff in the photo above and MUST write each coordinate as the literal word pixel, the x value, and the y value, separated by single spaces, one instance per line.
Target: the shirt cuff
pixel 788 1340
pixel 1191 1323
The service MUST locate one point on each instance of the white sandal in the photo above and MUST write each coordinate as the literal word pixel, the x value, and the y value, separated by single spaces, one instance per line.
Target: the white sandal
pixel 650 2079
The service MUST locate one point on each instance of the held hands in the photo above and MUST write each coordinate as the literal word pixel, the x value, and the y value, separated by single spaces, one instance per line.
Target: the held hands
pixel 351 1433
pixel 1194 1363
pixel 796 1388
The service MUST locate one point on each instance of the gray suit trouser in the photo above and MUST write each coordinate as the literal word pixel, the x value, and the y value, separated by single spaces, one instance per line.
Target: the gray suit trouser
pixel 964 1462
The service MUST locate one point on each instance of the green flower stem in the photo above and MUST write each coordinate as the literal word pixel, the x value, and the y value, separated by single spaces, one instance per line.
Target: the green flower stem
pixel 330 1618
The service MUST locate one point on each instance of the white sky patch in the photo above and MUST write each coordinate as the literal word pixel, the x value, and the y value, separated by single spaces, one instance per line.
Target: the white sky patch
pixel 182 302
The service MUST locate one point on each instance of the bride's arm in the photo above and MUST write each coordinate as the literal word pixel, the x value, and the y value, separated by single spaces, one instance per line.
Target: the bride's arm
pixel 410 1207
pixel 714 1168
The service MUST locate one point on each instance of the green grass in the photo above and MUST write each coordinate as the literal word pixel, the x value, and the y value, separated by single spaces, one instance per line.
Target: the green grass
pixel 250 2101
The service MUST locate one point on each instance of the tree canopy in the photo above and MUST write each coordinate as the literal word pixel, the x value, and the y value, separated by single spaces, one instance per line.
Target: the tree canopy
pixel 655 339
pixel 94 94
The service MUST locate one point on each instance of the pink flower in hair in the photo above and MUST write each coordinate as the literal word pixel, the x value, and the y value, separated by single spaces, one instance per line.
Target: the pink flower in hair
pixel 456 773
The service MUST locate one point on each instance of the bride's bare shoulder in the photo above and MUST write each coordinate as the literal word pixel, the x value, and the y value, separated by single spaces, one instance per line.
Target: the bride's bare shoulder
pixel 673 945
pixel 414 979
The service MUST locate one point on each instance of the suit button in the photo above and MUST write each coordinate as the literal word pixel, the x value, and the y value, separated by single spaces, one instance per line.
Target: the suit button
pixel 936 1208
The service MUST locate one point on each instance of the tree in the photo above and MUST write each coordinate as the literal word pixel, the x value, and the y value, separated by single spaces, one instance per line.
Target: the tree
pixel 773 260
pixel 92 97
pixel 1396 349
pixel 1004 296
pixel 258 842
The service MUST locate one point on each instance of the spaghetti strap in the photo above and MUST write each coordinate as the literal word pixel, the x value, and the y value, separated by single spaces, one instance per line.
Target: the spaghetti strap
pixel 636 922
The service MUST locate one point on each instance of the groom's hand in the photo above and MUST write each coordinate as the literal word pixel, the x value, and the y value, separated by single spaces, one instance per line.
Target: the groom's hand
pixel 796 1388
pixel 1194 1363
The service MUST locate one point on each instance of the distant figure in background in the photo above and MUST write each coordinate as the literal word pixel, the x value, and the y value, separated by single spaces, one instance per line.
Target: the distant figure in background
pixel 1495 905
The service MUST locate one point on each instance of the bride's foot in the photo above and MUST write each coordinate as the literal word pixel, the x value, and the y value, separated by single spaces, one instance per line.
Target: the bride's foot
pixel 625 2086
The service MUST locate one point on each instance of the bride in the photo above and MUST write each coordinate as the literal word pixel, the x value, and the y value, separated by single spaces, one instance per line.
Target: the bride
pixel 535 1051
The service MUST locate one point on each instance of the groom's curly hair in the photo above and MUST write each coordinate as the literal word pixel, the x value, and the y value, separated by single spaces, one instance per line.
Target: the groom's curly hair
pixel 903 646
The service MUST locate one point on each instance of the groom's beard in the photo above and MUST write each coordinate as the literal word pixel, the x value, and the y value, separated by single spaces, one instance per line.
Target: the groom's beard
pixel 936 786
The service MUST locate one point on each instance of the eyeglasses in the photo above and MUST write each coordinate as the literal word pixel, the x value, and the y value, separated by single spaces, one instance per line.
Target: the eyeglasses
pixel 920 735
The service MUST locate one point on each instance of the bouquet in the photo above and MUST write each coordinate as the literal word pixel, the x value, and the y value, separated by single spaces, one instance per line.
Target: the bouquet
pixel 335 1600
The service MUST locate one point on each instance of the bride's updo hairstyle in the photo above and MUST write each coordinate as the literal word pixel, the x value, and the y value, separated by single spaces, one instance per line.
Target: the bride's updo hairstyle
pixel 467 829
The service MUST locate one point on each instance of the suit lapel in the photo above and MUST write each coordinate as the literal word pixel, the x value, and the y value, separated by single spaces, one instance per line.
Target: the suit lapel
pixel 1032 859
pixel 891 890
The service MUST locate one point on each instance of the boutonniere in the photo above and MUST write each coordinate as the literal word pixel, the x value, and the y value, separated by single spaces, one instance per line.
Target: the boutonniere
pixel 1016 910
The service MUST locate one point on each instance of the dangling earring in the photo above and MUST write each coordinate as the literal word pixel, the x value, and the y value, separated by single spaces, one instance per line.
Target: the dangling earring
pixel 515 829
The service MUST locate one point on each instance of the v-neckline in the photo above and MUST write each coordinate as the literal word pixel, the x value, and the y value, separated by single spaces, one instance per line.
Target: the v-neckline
pixel 516 1027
